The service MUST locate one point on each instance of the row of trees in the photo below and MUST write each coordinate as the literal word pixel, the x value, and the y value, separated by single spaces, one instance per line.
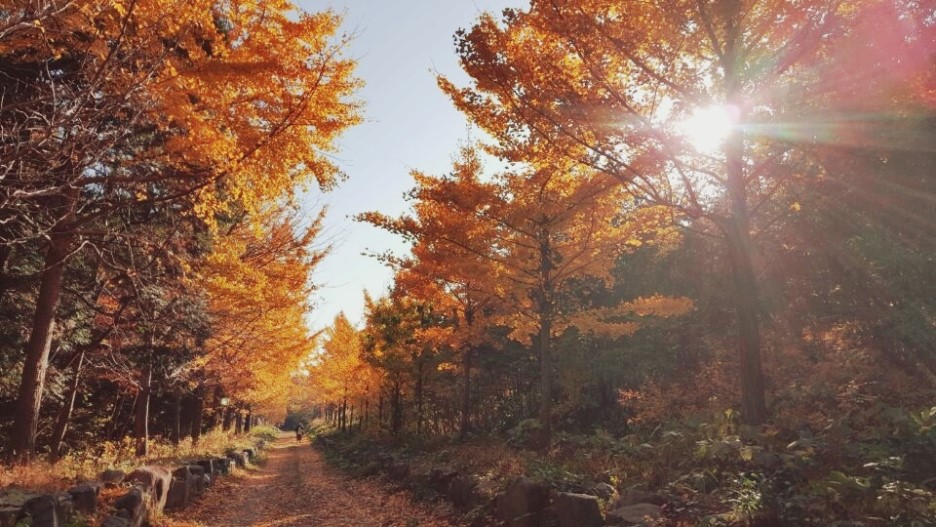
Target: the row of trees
pixel 151 255
pixel 811 212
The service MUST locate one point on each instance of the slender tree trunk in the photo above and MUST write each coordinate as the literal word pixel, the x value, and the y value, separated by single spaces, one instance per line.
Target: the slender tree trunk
pixel 112 422
pixel 351 417
pixel 545 379
pixel 227 417
pixel 396 409
pixel 247 420
pixel 380 411
pixel 176 431
pixel 419 397
pixel 238 422
pixel 738 236
pixel 466 394
pixel 198 412
pixel 61 423
pixel 141 412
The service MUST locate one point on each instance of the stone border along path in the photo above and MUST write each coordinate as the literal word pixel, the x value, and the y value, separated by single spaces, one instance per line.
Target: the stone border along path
pixel 296 488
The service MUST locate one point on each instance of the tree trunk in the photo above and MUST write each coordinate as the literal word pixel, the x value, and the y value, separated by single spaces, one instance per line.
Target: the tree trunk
pixel 419 397
pixel 380 410
pixel 176 431
pixel 466 394
pixel 545 379
pixel 28 402
pixel 197 413
pixel 61 424
pixel 141 412
pixel 396 409
pixel 227 414
pixel 247 420
pixel 238 422
pixel 738 236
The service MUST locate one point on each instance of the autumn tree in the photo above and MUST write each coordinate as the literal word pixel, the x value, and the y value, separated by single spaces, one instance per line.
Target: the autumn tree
pixel 258 284
pixel 119 105
pixel 627 89
pixel 529 237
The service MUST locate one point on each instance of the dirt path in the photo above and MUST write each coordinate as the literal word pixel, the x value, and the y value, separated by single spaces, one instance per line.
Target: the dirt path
pixel 296 488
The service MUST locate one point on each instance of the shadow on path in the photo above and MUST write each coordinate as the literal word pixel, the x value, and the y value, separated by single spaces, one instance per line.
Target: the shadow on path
pixel 295 488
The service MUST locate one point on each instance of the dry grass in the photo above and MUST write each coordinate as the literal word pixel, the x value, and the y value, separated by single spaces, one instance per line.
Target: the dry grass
pixel 76 467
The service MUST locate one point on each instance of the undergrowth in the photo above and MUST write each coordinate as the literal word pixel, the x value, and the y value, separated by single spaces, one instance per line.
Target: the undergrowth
pixel 40 475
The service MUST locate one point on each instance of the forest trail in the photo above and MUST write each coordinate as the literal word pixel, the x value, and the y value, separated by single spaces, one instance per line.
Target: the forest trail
pixel 296 488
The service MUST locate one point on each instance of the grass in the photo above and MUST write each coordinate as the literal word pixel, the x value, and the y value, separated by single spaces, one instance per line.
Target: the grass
pixel 41 475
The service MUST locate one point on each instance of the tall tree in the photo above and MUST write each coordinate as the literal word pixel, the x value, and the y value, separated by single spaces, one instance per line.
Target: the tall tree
pixel 115 105
pixel 627 89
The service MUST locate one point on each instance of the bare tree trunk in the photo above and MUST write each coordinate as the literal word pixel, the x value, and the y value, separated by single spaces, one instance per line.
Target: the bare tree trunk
pixel 238 422
pixel 248 424
pixel 141 412
pixel 61 423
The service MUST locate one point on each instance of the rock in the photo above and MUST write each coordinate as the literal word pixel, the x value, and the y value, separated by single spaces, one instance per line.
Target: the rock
pixel 578 510
pixel 208 466
pixel 549 517
pixel 398 470
pixel 9 515
pixel 462 491
pixel 135 506
pixel 115 521
pixel 181 492
pixel 84 498
pixel 113 477
pixel 48 510
pixel 522 497
pixel 240 459
pixel 249 452
pixel 12 502
pixel 527 520
pixel 634 496
pixel 636 514
pixel 605 491
pixel 202 482
pixel 157 481
pixel 132 501
pixel 222 465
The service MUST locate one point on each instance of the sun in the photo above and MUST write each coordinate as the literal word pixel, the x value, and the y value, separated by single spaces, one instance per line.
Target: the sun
pixel 707 128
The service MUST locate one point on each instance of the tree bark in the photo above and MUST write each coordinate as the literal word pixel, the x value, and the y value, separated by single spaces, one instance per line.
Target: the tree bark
pixel 61 424
pixel 466 394
pixel 238 422
pixel 176 431
pixel 28 402
pixel 198 412
pixel 141 412
pixel 248 420
pixel 545 379
pixel 738 237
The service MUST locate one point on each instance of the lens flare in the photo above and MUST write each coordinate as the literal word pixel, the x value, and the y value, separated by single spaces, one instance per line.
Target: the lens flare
pixel 707 128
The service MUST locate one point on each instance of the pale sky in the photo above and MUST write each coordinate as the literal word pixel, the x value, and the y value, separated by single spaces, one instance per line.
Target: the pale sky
pixel 409 124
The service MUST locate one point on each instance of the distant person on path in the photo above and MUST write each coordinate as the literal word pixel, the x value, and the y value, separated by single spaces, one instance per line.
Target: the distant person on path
pixel 298 433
